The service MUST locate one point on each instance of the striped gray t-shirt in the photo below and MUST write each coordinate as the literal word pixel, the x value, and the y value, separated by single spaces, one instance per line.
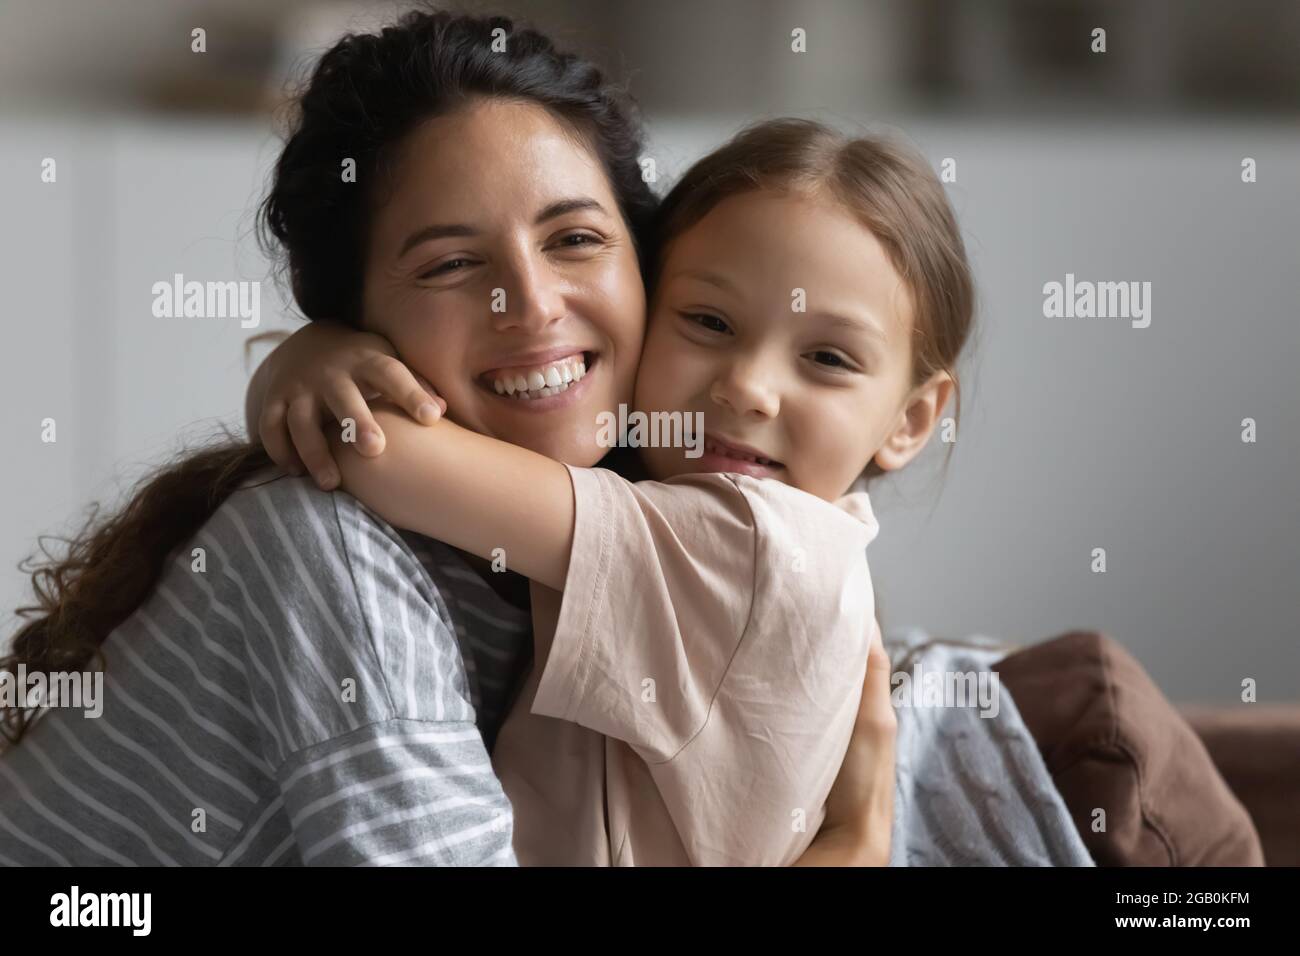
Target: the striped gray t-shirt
pixel 293 693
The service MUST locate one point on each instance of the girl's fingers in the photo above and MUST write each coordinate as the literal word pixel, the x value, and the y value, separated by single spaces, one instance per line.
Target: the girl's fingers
pixel 309 440
pixel 345 400
pixel 392 379
pixel 273 433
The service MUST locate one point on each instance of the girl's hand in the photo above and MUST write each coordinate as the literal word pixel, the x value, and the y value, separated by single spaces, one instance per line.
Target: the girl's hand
pixel 860 806
pixel 328 372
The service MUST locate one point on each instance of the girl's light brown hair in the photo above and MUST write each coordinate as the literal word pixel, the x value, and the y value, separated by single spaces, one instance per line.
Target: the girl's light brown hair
pixel 886 184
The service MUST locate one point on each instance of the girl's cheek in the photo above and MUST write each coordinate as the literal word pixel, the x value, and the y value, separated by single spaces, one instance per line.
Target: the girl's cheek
pixel 851 422
pixel 668 368
pixel 658 378
pixel 653 346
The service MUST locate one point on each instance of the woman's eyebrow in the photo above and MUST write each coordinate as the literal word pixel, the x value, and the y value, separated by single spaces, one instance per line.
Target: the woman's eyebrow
pixel 461 230
pixel 563 206
pixel 438 231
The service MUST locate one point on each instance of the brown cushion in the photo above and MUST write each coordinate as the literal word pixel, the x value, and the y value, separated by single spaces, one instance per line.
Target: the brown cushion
pixel 1112 741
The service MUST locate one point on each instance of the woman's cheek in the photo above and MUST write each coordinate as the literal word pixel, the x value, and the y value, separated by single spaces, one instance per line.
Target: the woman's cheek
pixel 436 353
pixel 610 284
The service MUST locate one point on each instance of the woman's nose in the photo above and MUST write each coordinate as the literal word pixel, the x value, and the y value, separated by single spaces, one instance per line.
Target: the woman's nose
pixel 529 296
pixel 747 386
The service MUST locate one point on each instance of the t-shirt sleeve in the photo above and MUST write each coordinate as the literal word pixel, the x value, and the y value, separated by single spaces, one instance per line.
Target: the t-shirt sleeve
pixel 369 726
pixel 750 788
pixel 651 613
pixel 719 625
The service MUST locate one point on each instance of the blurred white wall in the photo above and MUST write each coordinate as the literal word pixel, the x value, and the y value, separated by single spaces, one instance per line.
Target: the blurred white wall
pixel 1076 433
pixel 135 201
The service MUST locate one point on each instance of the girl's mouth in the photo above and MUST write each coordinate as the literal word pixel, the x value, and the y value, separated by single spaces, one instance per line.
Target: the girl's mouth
pixel 545 387
pixel 721 456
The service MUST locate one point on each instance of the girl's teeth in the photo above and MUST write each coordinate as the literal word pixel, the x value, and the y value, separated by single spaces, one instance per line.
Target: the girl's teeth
pixel 566 374
pixel 521 384
pixel 718 450
pixel 536 380
pixel 553 377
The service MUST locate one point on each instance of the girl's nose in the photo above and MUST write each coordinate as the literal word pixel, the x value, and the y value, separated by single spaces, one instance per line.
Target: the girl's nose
pixel 746 389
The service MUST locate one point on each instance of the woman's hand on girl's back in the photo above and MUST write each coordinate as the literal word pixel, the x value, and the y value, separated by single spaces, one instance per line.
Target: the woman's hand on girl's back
pixel 860 806
pixel 327 372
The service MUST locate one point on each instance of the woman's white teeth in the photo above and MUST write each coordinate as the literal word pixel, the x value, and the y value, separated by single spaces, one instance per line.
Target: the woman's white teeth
pixel 541 382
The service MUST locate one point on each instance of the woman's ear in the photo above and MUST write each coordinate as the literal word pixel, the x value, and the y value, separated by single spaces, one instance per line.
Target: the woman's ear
pixel 916 421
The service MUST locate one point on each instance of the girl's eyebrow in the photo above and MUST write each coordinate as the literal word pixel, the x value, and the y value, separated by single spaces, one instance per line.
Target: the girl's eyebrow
pixel 461 230
pixel 858 324
pixel 712 278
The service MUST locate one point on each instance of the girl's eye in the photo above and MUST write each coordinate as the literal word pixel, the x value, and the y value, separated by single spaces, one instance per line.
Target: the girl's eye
pixel 706 321
pixel 445 268
pixel 828 359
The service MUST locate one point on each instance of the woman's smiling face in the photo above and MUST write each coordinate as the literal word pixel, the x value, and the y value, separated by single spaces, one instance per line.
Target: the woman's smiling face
pixel 500 258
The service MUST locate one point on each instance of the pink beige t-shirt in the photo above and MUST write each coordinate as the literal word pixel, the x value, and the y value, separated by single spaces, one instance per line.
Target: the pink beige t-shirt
pixel 695 686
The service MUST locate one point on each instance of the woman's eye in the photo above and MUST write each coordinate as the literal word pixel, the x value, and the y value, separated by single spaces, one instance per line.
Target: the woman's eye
pixel 445 268
pixel 576 240
pixel 706 321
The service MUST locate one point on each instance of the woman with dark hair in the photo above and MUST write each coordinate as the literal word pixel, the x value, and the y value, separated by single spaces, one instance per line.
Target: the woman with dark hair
pixel 288 678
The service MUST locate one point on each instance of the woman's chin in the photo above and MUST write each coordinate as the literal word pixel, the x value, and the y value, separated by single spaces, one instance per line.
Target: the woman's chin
pixel 570 432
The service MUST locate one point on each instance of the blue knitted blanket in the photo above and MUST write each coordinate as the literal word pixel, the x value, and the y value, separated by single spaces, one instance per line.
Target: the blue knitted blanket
pixel 972 788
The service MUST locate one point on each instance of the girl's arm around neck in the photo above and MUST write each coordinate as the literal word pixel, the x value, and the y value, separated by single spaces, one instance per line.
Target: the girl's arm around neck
pixel 467 490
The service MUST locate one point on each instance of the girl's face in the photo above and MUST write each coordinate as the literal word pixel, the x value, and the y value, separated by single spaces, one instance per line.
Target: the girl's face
pixel 500 256
pixel 816 392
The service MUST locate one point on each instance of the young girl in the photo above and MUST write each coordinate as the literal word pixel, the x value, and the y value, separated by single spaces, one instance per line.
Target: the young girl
pixel 701 638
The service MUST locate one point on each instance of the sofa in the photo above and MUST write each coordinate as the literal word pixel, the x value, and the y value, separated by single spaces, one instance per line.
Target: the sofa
pixel 1194 785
